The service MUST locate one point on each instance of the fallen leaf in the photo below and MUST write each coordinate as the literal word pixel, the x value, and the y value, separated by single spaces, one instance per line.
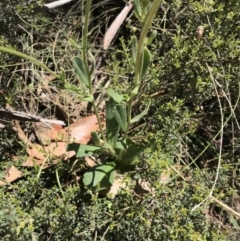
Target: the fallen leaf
pixel 36 151
pixel 57 139
pixel 48 133
pixel 116 187
pixel 11 175
pixel 21 134
pixel 118 184
pixel 53 153
pixel 90 162
pixel 111 32
pixel 80 131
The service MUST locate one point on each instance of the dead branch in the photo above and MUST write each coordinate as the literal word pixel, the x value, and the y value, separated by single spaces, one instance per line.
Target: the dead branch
pixel 22 116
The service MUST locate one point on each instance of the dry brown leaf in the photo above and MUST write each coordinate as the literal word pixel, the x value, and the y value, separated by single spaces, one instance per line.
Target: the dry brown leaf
pixel 11 175
pixel 142 186
pixel 199 32
pixel 36 151
pixel 33 161
pixel 90 162
pixel 111 32
pixel 59 149
pixel 117 185
pixel 38 154
pixel 61 110
pixel 21 134
pixel 80 131
pixel 48 133
pixel 50 77
pixel 165 176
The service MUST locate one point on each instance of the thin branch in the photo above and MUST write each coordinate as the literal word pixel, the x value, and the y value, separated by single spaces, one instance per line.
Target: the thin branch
pixel 22 116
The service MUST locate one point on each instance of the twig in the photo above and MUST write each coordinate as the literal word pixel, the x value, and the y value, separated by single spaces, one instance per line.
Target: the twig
pixel 22 116
pixel 220 145
pixel 226 207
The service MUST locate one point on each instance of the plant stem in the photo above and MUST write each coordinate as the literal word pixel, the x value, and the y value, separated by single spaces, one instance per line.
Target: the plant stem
pixel 59 184
pixel 98 119
pixel 85 39
pixel 139 60
pixel 85 30
pixel 84 54
pixel 33 60
pixel 145 28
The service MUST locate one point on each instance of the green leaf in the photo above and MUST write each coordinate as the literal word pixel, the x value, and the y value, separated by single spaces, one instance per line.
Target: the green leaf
pixel 82 150
pixel 102 174
pixel 131 153
pixel 146 61
pixel 151 37
pixel 120 116
pixel 71 88
pixel 93 62
pixel 145 5
pixel 140 116
pixel 138 10
pixel 63 74
pixel 112 126
pixel 95 137
pixel 125 98
pixel 135 90
pixel 111 177
pixel 75 44
pixel 116 97
pixel 106 146
pixel 81 70
pixel 121 145
pixel 134 49
pixel 89 98
pixel 233 221
pixel 107 181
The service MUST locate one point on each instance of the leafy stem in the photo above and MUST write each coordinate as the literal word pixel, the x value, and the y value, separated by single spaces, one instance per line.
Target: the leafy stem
pixel 145 28
pixel 99 120
pixel 85 30
pixel 85 54
pixel 140 57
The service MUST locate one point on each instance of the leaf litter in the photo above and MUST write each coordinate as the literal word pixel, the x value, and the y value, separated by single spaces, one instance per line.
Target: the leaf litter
pixel 54 139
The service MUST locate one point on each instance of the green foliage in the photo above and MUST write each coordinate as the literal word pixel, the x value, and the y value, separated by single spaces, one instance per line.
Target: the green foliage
pixel 82 150
pixel 81 70
pixel 102 175
pixel 112 126
pixel 35 211
pixel 118 115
